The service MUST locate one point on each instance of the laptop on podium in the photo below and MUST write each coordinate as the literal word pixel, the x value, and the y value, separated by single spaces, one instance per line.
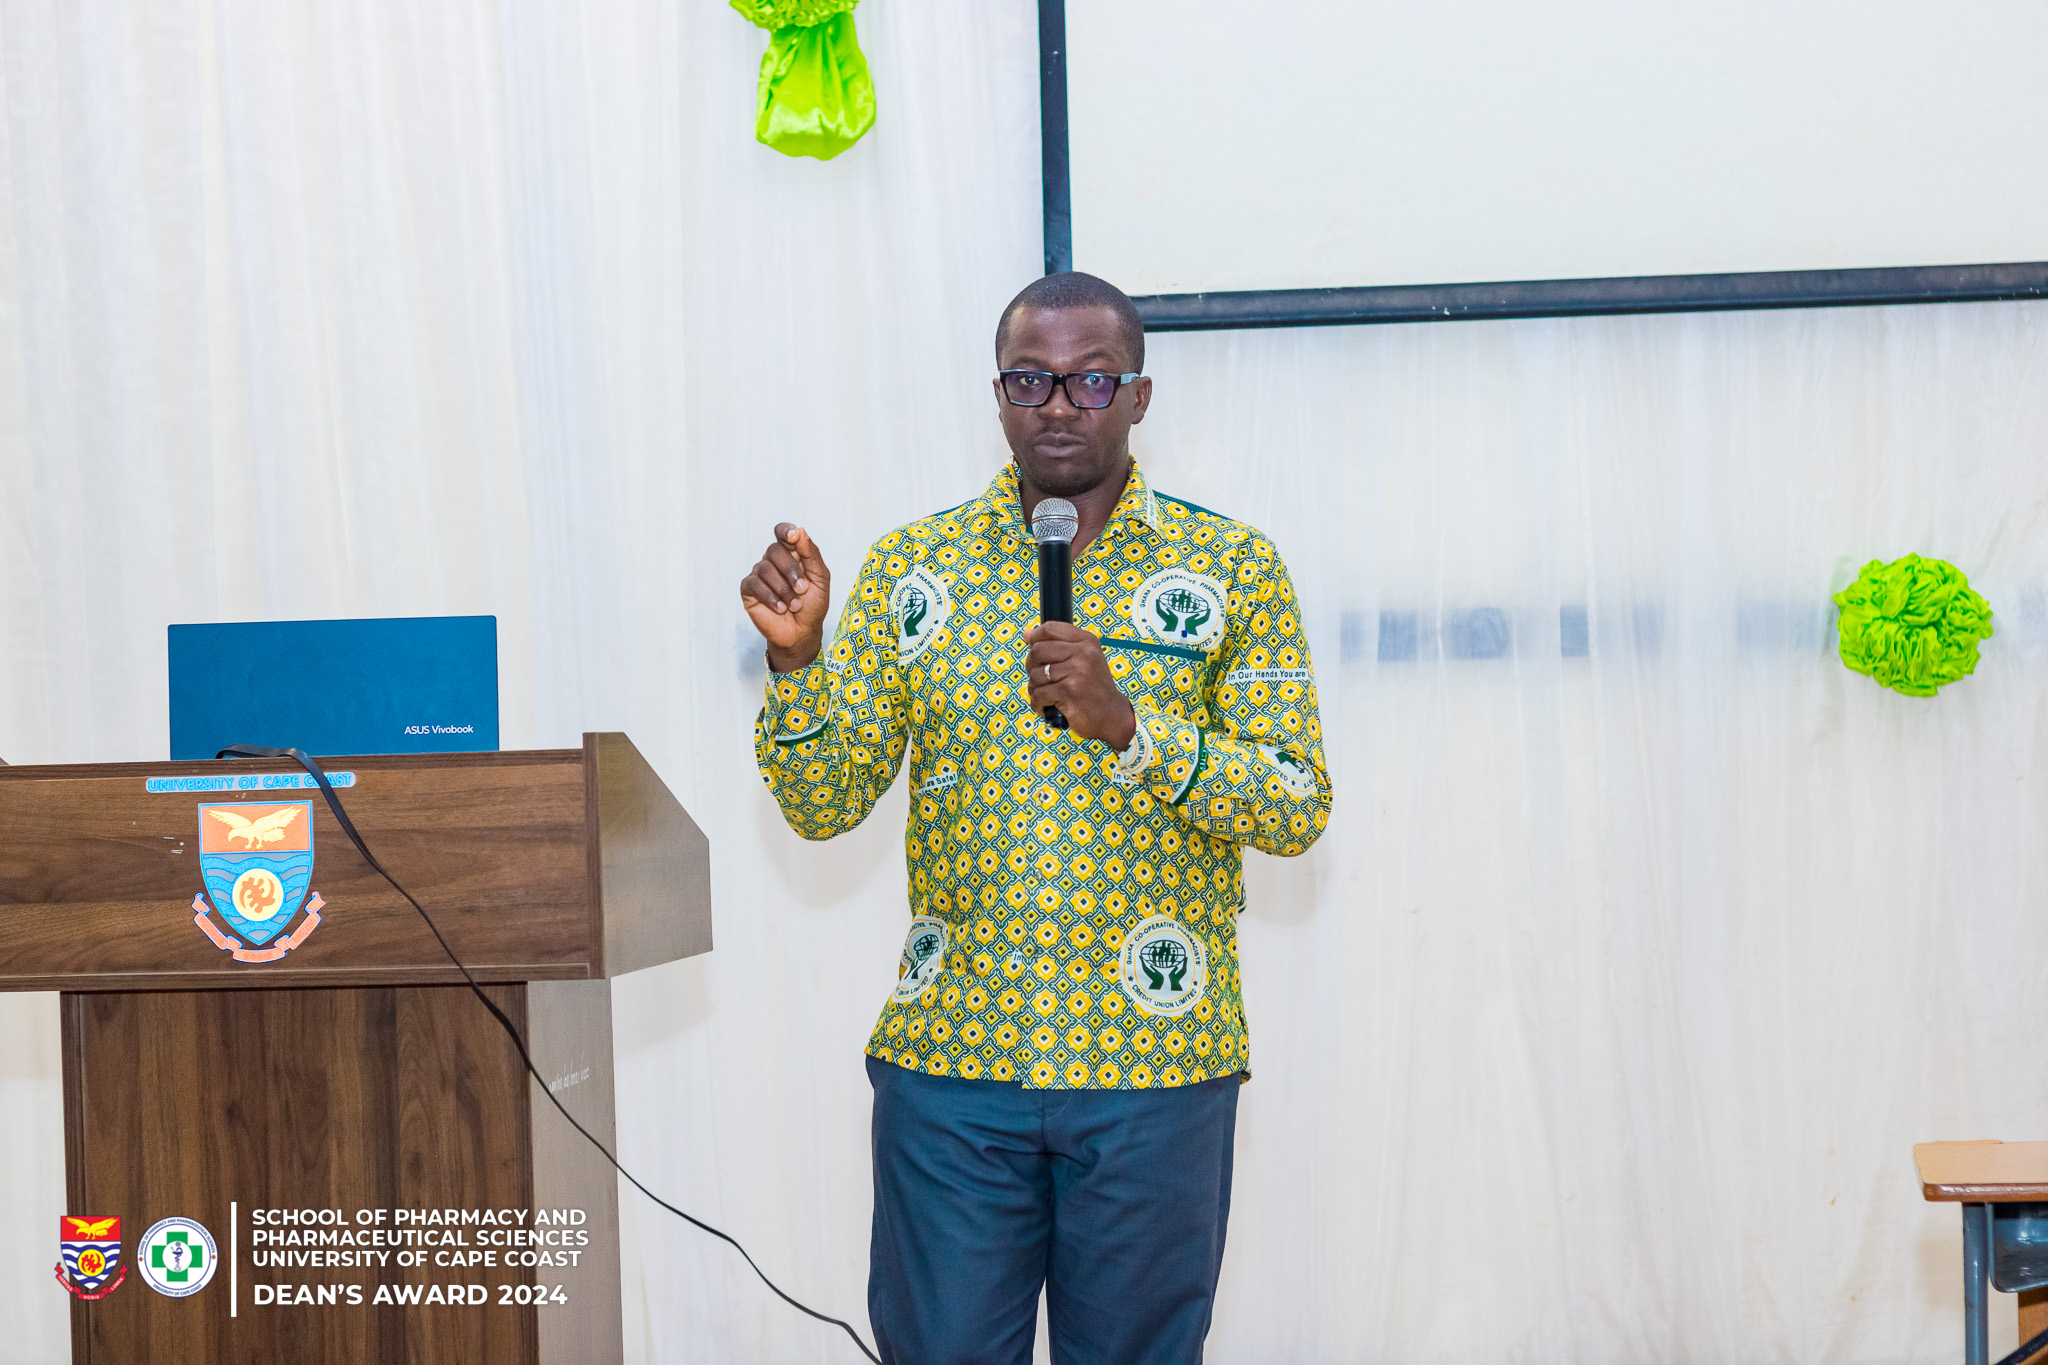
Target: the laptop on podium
pixel 395 685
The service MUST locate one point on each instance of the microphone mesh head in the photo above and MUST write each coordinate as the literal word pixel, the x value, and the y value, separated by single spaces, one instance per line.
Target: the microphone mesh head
pixel 1055 520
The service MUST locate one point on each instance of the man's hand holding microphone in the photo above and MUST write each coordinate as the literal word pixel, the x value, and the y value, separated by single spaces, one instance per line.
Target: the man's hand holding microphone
pixel 1069 670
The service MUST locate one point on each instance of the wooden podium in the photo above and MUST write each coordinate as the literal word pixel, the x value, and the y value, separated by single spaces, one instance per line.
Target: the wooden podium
pixel 354 1072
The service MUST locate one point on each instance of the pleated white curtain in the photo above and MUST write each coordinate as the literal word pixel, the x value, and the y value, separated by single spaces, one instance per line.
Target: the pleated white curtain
pixel 1646 940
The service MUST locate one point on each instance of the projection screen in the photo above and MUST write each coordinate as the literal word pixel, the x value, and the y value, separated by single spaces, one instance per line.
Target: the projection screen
pixel 1297 145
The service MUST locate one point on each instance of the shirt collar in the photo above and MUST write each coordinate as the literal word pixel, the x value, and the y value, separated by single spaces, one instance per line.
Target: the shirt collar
pixel 1139 506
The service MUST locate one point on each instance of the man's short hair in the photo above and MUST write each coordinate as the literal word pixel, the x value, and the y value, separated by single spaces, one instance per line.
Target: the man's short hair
pixel 1073 289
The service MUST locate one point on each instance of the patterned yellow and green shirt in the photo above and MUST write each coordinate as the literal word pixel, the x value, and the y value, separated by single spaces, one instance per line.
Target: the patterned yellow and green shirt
pixel 1073 922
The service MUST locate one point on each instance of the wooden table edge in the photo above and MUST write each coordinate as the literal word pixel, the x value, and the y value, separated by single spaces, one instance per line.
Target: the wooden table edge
pixel 1983 1194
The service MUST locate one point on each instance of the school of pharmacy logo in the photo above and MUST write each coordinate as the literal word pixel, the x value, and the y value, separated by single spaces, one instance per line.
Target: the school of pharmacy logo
pixel 921 605
pixel 257 862
pixel 1293 771
pixel 1164 967
pixel 88 1255
pixel 924 957
pixel 1177 607
pixel 176 1257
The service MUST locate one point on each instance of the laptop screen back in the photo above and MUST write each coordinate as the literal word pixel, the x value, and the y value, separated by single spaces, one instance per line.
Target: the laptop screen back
pixel 397 685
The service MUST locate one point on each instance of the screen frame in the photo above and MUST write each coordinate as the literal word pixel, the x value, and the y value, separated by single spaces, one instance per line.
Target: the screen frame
pixel 1226 309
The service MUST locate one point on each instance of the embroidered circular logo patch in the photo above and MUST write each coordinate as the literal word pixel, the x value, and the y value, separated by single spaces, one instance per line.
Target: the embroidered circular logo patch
pixel 1294 773
pixel 920 605
pixel 177 1257
pixel 1164 968
pixel 1176 607
pixel 924 957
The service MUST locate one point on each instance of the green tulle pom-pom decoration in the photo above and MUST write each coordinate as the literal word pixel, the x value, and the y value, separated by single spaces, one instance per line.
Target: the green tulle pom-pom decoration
pixel 1912 625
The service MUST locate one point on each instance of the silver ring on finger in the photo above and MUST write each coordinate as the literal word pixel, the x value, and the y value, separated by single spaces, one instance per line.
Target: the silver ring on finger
pixel 1048 675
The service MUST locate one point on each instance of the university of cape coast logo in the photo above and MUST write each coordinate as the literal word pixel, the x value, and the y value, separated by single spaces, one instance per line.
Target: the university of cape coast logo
pixel 924 957
pixel 88 1255
pixel 1163 967
pixel 257 861
pixel 1176 607
pixel 176 1257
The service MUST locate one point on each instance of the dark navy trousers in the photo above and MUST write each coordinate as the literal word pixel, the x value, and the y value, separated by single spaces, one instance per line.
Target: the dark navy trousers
pixel 1114 1201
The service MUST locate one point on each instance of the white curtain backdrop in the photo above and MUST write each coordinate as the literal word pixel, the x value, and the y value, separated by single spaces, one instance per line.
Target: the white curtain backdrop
pixel 1645 942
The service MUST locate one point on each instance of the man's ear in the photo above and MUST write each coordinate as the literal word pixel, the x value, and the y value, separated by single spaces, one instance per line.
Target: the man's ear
pixel 1141 398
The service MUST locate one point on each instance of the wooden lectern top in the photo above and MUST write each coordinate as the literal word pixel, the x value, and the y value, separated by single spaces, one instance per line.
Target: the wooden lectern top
pixel 1989 1172
pixel 547 865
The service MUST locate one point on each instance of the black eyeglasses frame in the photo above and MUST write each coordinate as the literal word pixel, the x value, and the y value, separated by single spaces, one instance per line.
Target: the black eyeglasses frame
pixel 1059 381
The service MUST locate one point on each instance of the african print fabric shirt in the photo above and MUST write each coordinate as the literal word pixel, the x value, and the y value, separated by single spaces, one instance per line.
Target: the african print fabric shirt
pixel 1073 922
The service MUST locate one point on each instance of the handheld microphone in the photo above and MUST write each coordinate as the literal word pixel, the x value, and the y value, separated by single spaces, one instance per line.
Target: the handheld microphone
pixel 1053 525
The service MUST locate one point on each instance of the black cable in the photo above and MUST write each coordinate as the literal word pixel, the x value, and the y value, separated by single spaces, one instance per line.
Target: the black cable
pixel 511 1031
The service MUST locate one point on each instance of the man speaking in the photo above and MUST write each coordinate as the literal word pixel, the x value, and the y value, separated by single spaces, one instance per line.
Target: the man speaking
pixel 1056 1070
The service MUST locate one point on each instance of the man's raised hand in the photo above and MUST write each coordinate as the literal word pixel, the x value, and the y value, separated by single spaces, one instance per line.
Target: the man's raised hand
pixel 786 597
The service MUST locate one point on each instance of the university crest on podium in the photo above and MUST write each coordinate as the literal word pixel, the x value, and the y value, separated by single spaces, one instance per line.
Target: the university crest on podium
pixel 88 1255
pixel 257 861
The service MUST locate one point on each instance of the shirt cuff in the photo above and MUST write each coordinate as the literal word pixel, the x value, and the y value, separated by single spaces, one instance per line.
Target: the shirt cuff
pixel 1136 759
pixel 797 703
pixel 1177 749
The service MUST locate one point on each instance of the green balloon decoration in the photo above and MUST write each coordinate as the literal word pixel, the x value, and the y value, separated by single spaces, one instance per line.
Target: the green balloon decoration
pixel 816 97
pixel 1913 624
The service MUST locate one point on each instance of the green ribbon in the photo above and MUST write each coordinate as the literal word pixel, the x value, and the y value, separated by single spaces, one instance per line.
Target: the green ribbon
pixel 1912 625
pixel 816 97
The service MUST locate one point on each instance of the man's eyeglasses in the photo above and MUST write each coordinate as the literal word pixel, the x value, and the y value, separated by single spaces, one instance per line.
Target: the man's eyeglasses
pixel 1085 388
